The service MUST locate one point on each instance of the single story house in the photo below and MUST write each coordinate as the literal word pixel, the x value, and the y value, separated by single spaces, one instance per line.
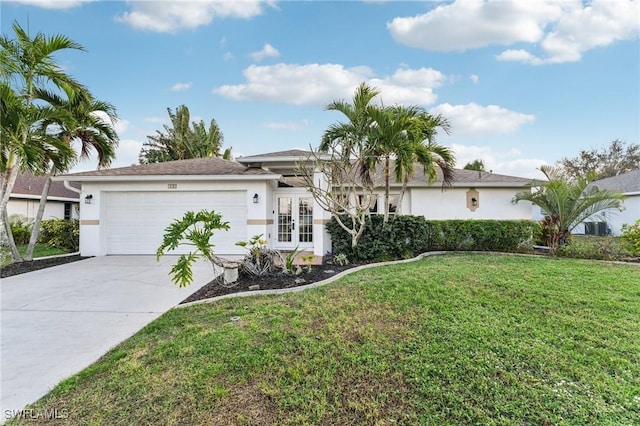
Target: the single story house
pixel 63 201
pixel 125 210
pixel 611 221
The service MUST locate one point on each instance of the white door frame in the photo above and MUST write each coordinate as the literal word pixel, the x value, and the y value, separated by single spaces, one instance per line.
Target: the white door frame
pixel 293 219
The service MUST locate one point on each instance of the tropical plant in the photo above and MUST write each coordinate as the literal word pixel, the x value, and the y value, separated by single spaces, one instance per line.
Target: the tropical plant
pixel 194 230
pixel 308 260
pixel 567 203
pixel 631 237
pixel 336 174
pixel 183 140
pixel 260 259
pixel 26 65
pixel 288 266
pixel 82 120
pixel 477 165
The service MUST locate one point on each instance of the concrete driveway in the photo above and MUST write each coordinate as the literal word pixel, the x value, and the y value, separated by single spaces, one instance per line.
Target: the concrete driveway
pixel 57 321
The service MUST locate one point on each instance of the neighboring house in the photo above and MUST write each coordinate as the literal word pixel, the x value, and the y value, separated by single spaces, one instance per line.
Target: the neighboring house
pixel 611 221
pixel 128 208
pixel 62 203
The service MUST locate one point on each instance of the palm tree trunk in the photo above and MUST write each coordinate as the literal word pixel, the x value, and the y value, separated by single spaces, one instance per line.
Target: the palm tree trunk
pixel 15 255
pixel 387 188
pixel 7 187
pixel 35 230
pixel 402 191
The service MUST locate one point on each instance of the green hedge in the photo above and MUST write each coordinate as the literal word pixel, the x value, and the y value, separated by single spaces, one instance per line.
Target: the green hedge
pixel 60 233
pixel 407 236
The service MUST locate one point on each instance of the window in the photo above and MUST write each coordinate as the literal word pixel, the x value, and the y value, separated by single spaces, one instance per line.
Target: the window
pixel 393 203
pixel 373 203
pixel 67 211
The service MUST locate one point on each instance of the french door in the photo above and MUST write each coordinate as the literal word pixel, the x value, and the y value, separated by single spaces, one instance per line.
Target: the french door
pixel 294 221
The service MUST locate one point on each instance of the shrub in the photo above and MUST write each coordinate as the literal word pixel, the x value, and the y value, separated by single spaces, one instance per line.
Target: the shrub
pixel 587 247
pixel 406 236
pixel 60 233
pixel 631 237
pixel 260 259
pixel 21 229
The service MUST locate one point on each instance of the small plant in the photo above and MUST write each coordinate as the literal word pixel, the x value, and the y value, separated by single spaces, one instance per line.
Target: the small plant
pixel 630 237
pixel 197 228
pixel 21 229
pixel 260 260
pixel 341 259
pixel 308 259
pixel 288 266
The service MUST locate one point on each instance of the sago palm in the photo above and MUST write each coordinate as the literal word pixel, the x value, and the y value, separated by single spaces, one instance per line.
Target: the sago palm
pixel 567 203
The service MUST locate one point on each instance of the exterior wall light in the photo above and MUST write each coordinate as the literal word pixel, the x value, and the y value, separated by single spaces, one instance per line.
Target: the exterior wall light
pixel 88 198
pixel 255 198
pixel 474 202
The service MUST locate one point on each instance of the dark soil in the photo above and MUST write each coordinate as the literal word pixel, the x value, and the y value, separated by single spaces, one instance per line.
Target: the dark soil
pixel 275 280
pixel 34 265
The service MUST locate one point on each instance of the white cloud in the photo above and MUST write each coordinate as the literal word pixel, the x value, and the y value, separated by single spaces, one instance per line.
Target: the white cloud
pixel 293 126
pixel 319 84
pixel 474 78
pixel 481 120
pixel 508 162
pixel 268 51
pixel 52 4
pixel 171 16
pixel 228 56
pixel 178 87
pixel 154 120
pixel 561 29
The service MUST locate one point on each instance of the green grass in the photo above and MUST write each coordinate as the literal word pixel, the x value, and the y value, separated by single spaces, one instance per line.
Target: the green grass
pixel 40 250
pixel 456 339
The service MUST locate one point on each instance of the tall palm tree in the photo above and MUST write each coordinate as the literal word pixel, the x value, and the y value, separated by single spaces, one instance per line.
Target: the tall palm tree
pixel 37 148
pixel 27 64
pixel 183 139
pixel 80 119
pixel 349 139
pixel 567 203
pixel 400 132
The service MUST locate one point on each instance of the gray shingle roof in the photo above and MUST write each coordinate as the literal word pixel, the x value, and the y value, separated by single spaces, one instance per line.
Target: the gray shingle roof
pixel 461 177
pixel 28 184
pixel 193 167
pixel 289 153
pixel 625 183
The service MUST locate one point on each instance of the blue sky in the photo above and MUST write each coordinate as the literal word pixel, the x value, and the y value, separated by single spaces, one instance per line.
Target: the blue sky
pixel 523 83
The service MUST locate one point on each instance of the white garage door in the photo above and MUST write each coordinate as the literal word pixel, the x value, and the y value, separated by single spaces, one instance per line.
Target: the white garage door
pixel 135 221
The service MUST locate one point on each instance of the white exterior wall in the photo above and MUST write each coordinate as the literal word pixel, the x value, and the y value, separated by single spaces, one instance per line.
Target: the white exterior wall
pixel 629 215
pixel 493 203
pixel 92 216
pixel 29 209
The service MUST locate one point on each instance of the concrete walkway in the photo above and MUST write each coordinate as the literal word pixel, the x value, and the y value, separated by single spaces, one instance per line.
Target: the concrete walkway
pixel 57 321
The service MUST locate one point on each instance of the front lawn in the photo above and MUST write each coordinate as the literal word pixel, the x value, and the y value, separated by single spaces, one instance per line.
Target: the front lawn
pixel 455 339
pixel 40 250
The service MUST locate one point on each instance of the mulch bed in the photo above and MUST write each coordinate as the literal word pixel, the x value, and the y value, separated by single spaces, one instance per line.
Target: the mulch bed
pixel 272 281
pixel 34 265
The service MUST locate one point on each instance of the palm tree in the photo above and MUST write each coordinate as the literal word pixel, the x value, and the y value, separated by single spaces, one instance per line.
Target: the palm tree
pixel 477 165
pixel 28 63
pixel 567 203
pixel 80 119
pixel 421 148
pixel 349 139
pixel 400 132
pixel 183 140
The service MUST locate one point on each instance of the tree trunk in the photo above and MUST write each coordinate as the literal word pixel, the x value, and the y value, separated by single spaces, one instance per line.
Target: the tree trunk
pixel 401 197
pixel 15 255
pixel 7 187
pixel 35 230
pixel 387 188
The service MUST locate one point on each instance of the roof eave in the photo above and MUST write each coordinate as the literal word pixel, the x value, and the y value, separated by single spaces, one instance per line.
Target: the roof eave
pixel 156 178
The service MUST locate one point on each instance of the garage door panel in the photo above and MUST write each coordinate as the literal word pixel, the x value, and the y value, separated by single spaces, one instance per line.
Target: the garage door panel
pixel 135 221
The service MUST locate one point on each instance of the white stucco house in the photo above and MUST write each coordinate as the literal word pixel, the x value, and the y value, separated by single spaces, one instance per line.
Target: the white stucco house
pixel 125 210
pixel 611 221
pixel 62 202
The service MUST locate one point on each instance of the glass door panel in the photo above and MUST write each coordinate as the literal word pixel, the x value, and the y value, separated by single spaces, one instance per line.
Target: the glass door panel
pixel 285 219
